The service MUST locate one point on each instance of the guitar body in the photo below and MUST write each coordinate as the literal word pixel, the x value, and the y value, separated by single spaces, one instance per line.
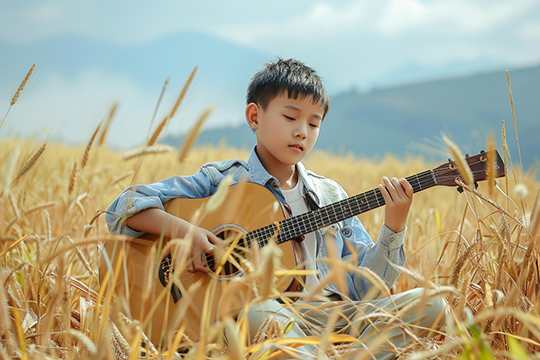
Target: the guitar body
pixel 143 288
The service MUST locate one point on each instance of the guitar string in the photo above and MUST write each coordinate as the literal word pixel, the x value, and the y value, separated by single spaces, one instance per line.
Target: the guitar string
pixel 339 210
pixel 333 212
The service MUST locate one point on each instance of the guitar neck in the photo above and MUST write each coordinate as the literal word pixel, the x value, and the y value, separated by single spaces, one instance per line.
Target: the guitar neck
pixel 305 223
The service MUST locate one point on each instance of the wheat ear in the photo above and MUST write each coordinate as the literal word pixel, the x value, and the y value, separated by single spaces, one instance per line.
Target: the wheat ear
pixel 18 92
pixel 72 178
pixel 183 93
pixel 190 138
pixel 23 84
pixel 159 101
pixel 30 162
pixel 173 111
pixel 154 149
pixel 107 123
pixel 461 164
pixel 89 146
pixel 158 130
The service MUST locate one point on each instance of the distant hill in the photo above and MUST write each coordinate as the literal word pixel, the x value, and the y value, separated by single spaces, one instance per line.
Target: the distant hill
pixel 407 119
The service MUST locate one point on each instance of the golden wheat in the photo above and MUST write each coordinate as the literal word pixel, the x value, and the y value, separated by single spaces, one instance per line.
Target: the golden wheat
pixel 22 86
pixel 38 208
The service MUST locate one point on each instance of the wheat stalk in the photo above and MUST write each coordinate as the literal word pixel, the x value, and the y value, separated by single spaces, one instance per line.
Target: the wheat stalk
pixel 191 137
pixel 89 146
pixel 152 149
pixel 160 127
pixel 165 84
pixel 107 124
pixel 30 162
pixel 491 165
pixel 514 117
pixel 9 169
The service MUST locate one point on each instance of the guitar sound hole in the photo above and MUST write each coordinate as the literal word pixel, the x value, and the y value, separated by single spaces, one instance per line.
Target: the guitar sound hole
pixel 235 260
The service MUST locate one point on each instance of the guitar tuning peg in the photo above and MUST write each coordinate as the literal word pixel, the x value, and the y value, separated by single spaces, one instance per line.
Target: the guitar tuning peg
pixel 482 151
pixel 459 189
pixel 467 155
pixel 450 160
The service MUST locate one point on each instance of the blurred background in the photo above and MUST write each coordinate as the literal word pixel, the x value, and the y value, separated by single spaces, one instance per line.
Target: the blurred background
pixel 399 72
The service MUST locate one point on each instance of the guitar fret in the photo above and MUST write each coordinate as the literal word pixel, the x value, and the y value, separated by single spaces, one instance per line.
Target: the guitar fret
pixel 376 197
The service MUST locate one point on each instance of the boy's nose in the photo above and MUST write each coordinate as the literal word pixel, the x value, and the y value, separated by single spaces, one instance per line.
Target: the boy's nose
pixel 301 132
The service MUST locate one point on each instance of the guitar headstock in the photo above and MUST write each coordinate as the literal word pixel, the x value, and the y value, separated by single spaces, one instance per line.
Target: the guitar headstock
pixel 446 174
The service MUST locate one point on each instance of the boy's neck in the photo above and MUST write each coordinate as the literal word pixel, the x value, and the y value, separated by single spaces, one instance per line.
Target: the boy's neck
pixel 286 175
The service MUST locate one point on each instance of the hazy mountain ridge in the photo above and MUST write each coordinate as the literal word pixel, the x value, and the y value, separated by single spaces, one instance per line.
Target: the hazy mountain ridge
pixel 390 119
pixel 394 120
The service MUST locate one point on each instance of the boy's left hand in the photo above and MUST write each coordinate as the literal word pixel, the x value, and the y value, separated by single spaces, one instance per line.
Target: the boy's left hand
pixel 398 197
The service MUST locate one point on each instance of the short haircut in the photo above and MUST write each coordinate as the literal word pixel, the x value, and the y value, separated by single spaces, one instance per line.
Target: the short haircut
pixel 294 77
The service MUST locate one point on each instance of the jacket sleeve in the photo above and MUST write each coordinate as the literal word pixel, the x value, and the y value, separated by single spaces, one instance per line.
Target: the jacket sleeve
pixel 377 257
pixel 140 197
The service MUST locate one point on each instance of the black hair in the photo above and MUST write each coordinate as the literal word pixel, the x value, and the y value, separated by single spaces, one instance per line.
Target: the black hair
pixel 292 76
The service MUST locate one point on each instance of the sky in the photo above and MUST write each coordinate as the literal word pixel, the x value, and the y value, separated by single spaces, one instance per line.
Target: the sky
pixel 357 44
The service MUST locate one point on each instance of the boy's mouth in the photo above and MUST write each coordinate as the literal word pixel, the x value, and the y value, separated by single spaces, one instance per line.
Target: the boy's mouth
pixel 297 146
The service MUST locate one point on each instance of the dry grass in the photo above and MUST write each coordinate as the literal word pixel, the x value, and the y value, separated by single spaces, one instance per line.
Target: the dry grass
pixel 478 248
pixel 50 235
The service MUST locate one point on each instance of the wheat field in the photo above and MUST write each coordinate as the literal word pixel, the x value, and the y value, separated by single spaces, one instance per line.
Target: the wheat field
pixel 479 248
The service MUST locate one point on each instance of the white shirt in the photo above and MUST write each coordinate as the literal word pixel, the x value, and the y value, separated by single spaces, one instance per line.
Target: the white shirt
pixel 298 205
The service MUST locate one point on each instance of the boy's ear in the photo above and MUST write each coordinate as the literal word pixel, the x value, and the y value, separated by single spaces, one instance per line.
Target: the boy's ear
pixel 252 115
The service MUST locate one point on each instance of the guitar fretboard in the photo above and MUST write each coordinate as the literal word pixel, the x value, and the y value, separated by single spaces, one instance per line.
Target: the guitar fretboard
pixel 305 223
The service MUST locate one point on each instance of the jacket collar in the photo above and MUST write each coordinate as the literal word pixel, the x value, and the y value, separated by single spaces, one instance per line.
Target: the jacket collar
pixel 259 175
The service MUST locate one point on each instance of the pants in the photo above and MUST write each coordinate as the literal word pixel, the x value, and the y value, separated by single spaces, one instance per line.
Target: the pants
pixel 373 322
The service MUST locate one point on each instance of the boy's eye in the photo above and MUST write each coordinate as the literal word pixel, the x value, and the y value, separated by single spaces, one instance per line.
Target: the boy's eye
pixel 315 126
pixel 289 117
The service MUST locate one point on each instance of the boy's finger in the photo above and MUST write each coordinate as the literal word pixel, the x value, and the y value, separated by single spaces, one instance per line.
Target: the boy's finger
pixel 386 196
pixel 390 187
pixel 407 187
pixel 198 266
pixel 213 239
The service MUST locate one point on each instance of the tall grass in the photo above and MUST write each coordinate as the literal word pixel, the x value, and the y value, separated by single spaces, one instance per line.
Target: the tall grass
pixel 479 248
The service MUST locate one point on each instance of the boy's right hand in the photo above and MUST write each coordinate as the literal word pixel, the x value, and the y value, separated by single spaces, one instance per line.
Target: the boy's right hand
pixel 155 221
pixel 203 241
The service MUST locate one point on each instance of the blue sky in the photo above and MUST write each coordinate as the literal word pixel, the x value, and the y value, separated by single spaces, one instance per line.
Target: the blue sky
pixel 352 43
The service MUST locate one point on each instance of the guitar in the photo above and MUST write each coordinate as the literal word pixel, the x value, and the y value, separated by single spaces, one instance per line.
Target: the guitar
pixel 181 300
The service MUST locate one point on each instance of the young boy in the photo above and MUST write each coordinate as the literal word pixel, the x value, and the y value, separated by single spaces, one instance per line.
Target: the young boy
pixel 286 105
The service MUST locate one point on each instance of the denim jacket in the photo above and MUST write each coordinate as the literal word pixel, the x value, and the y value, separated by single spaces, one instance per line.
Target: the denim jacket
pixel 375 256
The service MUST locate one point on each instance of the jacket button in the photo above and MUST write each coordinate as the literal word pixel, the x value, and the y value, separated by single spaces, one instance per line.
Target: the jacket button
pixel 346 231
pixel 391 239
pixel 274 183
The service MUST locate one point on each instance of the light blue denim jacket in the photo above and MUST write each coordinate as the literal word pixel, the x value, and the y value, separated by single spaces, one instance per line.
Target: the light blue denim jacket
pixel 375 256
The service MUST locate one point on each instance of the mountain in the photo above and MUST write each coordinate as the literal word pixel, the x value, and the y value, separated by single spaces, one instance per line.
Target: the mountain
pixel 408 119
pixel 78 78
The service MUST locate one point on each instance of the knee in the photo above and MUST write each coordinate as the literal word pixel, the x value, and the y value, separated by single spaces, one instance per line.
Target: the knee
pixel 438 312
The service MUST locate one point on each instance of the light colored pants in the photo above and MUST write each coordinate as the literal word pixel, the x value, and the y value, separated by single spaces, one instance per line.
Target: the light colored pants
pixel 373 322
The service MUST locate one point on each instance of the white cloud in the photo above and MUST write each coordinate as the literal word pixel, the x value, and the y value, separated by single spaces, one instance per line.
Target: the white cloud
pixel 385 17
pixel 43 13
pixel 530 31
pixel 464 17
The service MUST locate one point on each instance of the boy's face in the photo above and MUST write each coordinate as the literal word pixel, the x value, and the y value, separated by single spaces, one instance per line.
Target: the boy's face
pixel 286 130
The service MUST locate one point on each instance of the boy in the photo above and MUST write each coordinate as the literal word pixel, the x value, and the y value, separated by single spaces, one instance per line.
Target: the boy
pixel 286 105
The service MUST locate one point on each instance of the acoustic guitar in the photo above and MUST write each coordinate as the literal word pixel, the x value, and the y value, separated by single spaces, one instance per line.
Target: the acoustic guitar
pixel 151 281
